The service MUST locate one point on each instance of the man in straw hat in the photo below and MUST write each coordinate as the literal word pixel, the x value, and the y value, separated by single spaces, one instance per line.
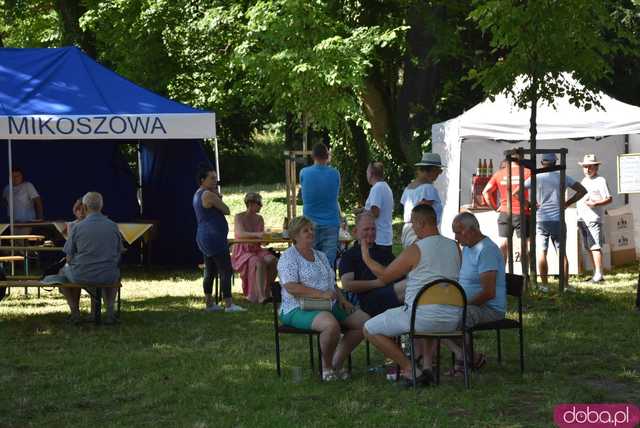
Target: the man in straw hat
pixel 591 211
pixel 421 191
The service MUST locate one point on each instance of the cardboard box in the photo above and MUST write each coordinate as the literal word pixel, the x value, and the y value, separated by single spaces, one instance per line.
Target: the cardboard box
pixel 619 235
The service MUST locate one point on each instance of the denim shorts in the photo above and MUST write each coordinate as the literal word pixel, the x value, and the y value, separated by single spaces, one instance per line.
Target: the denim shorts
pixel 592 235
pixel 326 240
pixel 546 230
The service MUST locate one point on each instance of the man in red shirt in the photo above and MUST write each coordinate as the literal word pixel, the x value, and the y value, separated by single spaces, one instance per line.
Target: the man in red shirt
pixel 499 183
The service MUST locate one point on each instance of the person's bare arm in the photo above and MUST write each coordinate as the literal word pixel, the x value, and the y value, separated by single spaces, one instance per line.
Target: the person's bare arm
pixel 489 195
pixel 580 192
pixel 359 286
pixel 214 200
pixel 488 285
pixel 239 230
pixel 300 290
pixel 402 265
pixel 37 203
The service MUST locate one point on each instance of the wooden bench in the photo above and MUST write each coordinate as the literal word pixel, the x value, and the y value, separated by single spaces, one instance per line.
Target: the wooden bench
pixel 96 298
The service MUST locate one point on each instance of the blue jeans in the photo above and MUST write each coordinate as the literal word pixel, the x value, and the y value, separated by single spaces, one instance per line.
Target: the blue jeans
pixel 326 240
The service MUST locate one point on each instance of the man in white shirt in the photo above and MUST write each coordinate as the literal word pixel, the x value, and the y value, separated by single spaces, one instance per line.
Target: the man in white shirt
pixel 591 211
pixel 380 204
pixel 548 213
pixel 27 204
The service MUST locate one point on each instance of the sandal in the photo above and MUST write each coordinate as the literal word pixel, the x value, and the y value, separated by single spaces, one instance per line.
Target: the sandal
pixel 329 376
pixel 458 370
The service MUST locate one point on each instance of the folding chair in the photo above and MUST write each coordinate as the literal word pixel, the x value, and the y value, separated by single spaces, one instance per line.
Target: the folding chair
pixel 440 292
pixel 515 287
pixel 276 294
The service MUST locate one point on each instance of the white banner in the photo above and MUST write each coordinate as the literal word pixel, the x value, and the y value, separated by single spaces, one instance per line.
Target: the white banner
pixel 108 127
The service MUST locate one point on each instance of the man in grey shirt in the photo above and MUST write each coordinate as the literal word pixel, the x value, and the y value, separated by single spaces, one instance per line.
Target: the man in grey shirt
pixel 93 255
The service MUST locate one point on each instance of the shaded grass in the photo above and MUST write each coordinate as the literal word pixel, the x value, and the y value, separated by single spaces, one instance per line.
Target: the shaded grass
pixel 169 363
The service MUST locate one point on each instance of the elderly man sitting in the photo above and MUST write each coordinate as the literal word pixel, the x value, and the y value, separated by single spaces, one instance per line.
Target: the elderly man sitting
pixel 483 279
pixel 93 255
pixel 363 288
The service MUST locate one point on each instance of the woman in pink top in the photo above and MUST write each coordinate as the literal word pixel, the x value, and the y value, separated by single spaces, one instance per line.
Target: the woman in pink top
pixel 256 266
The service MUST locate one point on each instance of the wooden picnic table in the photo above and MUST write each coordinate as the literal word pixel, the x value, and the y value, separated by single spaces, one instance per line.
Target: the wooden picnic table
pixel 22 237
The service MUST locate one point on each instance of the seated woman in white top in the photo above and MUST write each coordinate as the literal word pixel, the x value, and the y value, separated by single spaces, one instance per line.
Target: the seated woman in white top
pixel 430 258
pixel 306 273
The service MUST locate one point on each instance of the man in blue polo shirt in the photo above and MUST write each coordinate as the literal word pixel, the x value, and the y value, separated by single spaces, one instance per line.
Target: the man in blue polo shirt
pixel 483 279
pixel 320 185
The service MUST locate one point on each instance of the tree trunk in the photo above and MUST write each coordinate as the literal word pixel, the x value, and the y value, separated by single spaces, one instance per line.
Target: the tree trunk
pixel 70 12
pixel 361 151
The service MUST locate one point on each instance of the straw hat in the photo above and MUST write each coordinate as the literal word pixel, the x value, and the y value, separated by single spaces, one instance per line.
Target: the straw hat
pixel 430 159
pixel 589 159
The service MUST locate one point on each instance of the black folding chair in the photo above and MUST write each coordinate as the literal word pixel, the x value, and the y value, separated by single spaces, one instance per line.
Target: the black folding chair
pixel 441 292
pixel 515 287
pixel 276 294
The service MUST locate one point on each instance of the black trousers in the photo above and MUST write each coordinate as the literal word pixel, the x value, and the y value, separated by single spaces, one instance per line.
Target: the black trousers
pixel 219 264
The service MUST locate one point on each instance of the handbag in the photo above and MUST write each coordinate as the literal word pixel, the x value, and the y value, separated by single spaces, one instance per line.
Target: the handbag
pixel 314 304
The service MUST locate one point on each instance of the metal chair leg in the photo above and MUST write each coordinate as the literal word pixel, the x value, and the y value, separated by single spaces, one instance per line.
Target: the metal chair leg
pixel 438 363
pixel 278 370
pixel 349 363
pixel 319 357
pixel 521 334
pixel 97 306
pixel 465 362
pixel 413 361
pixel 368 353
pixel 312 364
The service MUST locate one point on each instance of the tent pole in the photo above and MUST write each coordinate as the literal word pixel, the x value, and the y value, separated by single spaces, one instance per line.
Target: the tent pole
pixel 141 193
pixel 11 219
pixel 215 142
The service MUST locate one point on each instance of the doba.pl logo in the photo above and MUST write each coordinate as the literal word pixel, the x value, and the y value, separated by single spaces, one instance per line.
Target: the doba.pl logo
pixel 596 415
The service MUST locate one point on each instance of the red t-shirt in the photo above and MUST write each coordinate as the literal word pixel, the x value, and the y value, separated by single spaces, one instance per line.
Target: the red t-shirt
pixel 499 182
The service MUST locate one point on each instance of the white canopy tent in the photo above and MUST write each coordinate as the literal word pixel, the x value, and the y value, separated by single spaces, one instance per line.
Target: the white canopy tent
pixel 491 127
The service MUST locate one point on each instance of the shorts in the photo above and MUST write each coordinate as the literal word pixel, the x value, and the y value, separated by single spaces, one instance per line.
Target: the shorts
pixel 482 314
pixel 378 300
pixel 592 236
pixel 430 318
pixel 304 319
pixel 503 225
pixel 546 230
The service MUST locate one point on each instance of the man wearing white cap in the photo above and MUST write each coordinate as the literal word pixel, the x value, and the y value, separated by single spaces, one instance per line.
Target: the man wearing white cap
pixel 590 212
pixel 421 191
pixel 548 214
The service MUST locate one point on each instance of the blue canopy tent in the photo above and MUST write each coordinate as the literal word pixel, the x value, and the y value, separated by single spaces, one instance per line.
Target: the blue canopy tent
pixel 61 95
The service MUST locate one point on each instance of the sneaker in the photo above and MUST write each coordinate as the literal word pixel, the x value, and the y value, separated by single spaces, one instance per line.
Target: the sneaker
pixel 234 308
pixel 343 374
pixel 329 376
pixel 214 308
pixel 597 278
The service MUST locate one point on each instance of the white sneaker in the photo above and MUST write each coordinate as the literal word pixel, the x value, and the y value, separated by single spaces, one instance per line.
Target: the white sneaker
pixel 597 278
pixel 343 374
pixel 234 308
pixel 543 289
pixel 214 308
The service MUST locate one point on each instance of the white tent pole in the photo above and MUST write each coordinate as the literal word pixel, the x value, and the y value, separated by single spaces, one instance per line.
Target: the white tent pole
pixel 215 142
pixel 10 186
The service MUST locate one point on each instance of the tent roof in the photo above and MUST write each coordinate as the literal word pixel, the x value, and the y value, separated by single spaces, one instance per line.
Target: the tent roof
pixel 502 120
pixel 52 83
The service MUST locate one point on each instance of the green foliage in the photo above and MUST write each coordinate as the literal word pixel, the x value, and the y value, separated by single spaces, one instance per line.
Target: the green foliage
pixel 29 23
pixel 542 39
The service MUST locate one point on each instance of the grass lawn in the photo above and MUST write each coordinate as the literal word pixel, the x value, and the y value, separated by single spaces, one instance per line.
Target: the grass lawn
pixel 168 363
